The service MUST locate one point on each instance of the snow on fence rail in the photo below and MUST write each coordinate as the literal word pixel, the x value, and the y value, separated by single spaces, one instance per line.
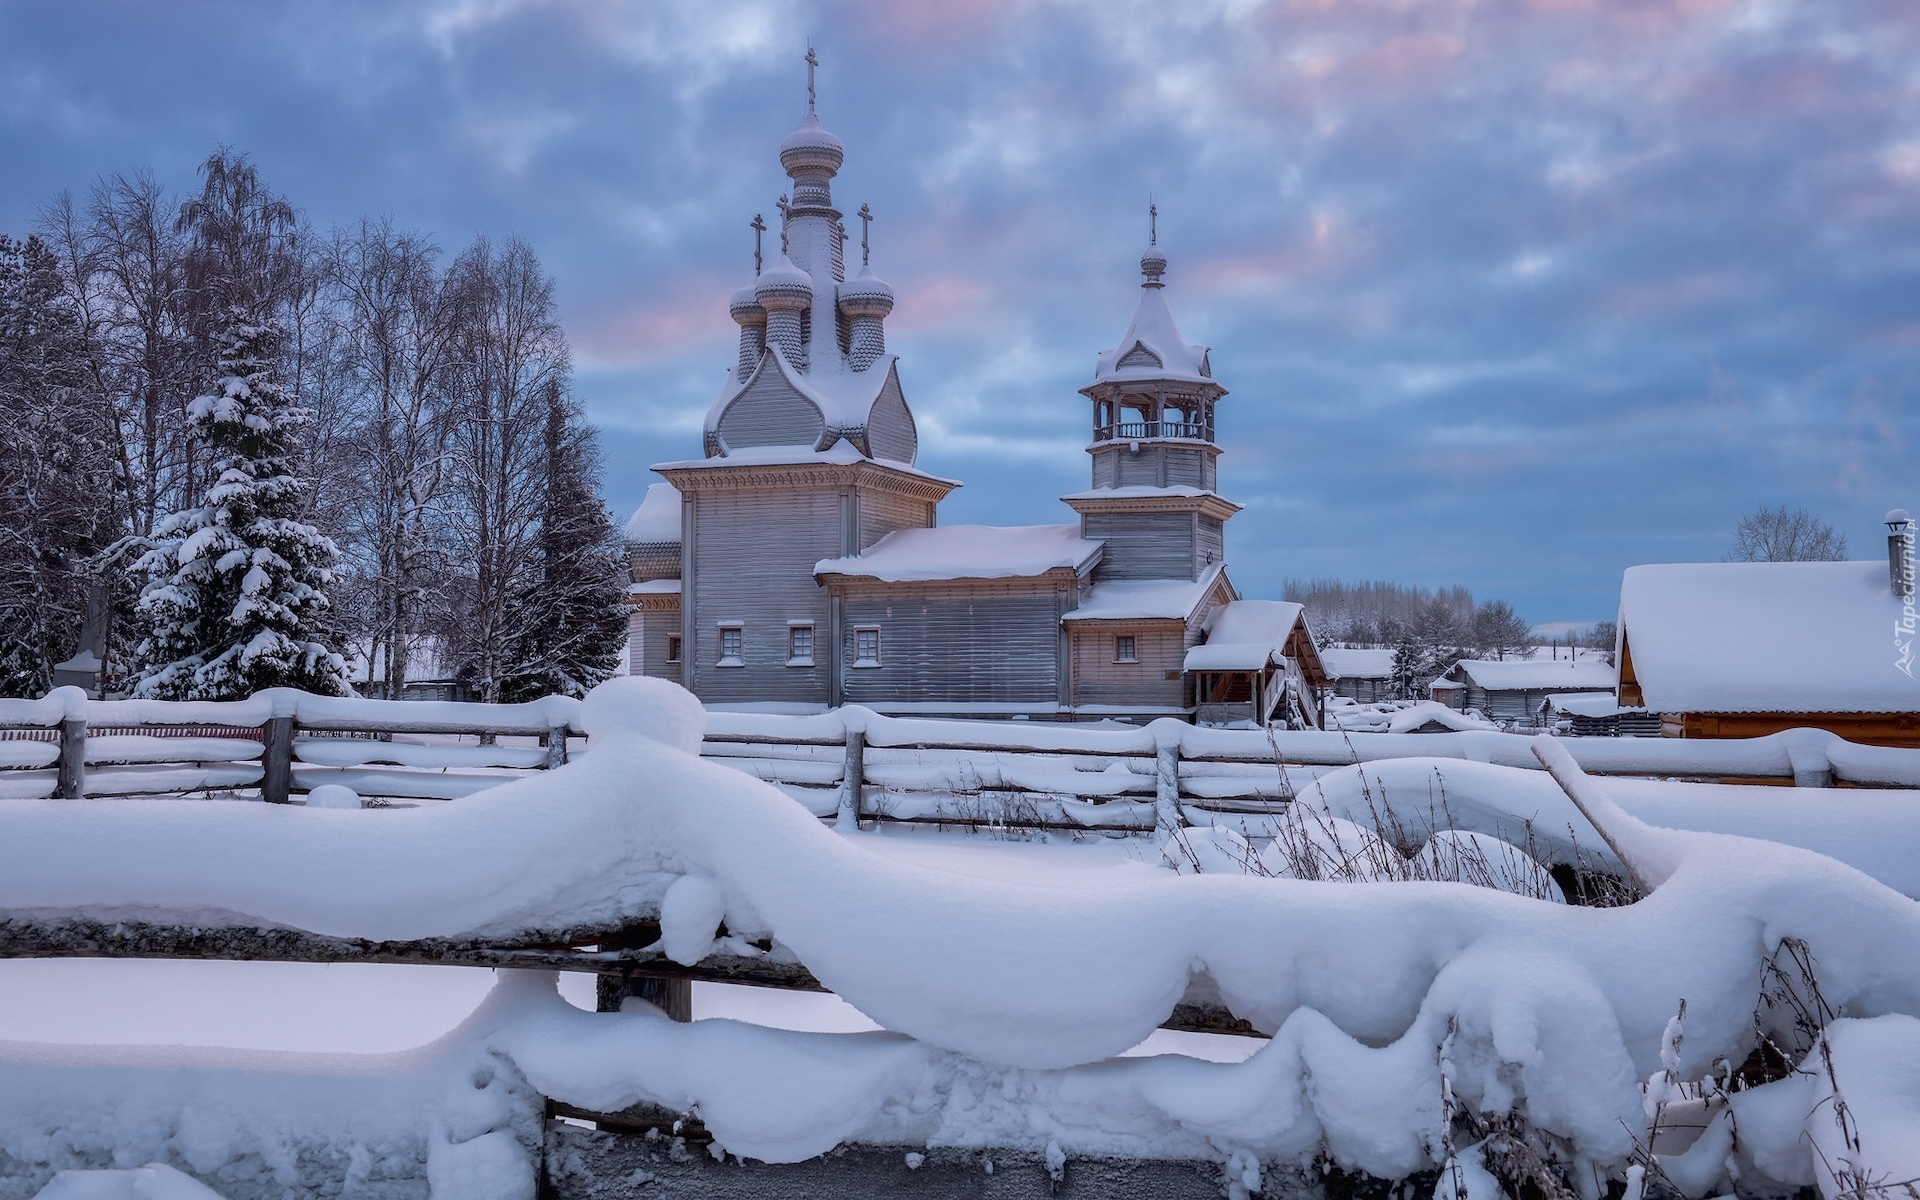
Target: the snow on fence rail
pixel 67 745
pixel 852 763
pixel 1411 1027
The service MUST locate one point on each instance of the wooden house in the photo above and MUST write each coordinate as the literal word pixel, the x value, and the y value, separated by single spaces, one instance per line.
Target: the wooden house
pixel 1364 675
pixel 799 562
pixel 1747 649
pixel 1512 691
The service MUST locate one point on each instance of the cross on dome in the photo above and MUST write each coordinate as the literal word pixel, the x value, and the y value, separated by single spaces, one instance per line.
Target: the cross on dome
pixel 866 225
pixel 812 62
pixel 1153 263
pixel 759 227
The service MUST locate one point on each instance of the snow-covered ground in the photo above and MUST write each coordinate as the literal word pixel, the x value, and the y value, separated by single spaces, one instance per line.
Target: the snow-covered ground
pixel 1011 979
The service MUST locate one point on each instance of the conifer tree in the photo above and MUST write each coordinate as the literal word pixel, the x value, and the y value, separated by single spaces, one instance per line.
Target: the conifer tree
pixel 56 471
pixel 235 587
pixel 569 618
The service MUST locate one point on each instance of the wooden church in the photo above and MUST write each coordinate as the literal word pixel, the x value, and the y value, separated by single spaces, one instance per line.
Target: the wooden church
pixel 799 564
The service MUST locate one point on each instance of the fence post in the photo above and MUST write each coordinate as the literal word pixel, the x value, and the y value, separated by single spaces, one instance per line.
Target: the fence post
pixel 276 783
pixel 674 997
pixel 1166 783
pixel 1807 756
pixel 72 779
pixel 854 779
pixel 556 747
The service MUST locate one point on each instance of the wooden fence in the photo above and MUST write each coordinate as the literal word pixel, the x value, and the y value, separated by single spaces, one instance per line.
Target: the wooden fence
pixel 848 764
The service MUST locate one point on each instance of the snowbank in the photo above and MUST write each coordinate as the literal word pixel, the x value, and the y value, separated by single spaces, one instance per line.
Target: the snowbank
pixel 1007 1000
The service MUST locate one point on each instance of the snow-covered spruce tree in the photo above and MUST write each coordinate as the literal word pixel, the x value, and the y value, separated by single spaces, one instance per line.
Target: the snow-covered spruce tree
pixel 234 587
pixel 568 618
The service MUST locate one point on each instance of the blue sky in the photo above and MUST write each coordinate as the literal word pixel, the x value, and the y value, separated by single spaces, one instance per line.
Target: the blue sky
pixel 1509 294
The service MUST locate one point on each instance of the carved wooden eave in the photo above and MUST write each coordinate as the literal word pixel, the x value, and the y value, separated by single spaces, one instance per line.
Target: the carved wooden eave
pixel 719 475
pixel 652 602
pixel 1209 504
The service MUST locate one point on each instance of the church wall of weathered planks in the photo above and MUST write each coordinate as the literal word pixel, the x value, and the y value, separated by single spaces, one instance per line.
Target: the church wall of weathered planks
pixel 962 642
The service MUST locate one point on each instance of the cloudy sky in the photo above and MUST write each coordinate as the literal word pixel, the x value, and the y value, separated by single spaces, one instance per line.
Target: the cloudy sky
pixel 1508 293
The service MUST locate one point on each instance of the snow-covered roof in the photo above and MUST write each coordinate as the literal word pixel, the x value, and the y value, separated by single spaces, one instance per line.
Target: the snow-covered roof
pixel 1357 664
pixel 1147 599
pixel 655 587
pixel 969 552
pixel 1246 635
pixel 838 454
pixel 658 517
pixel 1533 675
pixel 1153 330
pixel 844 396
pixel 1766 637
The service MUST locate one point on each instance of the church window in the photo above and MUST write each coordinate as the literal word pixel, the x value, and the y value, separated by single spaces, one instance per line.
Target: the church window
pixel 866 646
pixel 800 644
pixel 1126 649
pixel 673 647
pixel 732 646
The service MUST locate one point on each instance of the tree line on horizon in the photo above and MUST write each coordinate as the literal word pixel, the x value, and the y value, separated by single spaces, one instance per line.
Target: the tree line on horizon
pixel 243 452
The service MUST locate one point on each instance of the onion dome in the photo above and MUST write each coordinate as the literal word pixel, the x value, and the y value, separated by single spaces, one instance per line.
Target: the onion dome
pixel 784 286
pixel 1153 263
pixel 811 149
pixel 746 309
pixel 866 295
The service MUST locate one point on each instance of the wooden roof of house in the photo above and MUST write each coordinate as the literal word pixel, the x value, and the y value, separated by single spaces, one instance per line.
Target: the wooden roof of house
pixel 1765 638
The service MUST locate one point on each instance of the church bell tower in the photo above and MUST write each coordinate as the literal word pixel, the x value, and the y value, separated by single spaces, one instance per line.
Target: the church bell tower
pixel 1153 499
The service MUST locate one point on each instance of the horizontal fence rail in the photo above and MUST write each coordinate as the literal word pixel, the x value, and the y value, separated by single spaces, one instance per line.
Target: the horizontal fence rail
pixel 850 764
pixel 281 741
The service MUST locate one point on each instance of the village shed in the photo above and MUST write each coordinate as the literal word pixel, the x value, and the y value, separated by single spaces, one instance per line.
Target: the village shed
pixel 1258 665
pixel 1748 649
pixel 1598 714
pixel 1513 690
pixel 1364 675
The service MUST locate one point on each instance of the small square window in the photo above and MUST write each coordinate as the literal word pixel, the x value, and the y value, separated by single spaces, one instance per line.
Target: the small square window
pixel 732 646
pixel 1126 649
pixel 799 645
pixel 673 647
pixel 866 646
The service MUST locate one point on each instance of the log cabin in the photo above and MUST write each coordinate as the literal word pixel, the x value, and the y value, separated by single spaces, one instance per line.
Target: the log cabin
pixel 799 563
pixel 1723 650
pixel 1512 690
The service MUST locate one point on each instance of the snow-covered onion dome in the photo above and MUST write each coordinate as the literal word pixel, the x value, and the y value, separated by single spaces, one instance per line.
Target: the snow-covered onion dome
pixel 811 156
pixel 1153 264
pixel 657 520
pixel 653 536
pixel 785 292
pixel 866 300
pixel 748 313
pixel 866 295
pixel 783 286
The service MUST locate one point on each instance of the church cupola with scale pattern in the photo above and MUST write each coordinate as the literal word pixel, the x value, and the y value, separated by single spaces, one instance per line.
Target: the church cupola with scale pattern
pixel 1153 498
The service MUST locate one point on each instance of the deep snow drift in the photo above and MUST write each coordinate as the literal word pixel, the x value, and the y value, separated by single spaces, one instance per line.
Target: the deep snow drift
pixel 1007 999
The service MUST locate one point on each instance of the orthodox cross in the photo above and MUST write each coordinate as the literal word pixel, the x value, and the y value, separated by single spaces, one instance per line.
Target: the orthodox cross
pixel 782 204
pixel 1153 223
pixel 759 227
pixel 812 62
pixel 866 224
